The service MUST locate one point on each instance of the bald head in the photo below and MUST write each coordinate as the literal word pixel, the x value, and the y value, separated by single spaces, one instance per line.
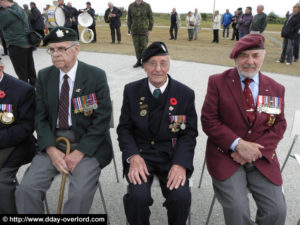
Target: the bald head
pixel 110 5
pixel 69 4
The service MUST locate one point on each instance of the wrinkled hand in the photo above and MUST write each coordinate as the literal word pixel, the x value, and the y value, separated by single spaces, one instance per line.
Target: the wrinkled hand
pixel 249 151
pixel 176 177
pixel 73 159
pixel 137 170
pixel 57 159
pixel 238 158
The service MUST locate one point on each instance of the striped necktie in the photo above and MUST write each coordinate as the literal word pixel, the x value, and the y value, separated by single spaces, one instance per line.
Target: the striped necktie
pixel 250 108
pixel 63 109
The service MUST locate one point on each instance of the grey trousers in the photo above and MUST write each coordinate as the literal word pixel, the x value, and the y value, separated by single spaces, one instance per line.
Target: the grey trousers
pixel 196 28
pixel 7 190
pixel 39 176
pixel 232 194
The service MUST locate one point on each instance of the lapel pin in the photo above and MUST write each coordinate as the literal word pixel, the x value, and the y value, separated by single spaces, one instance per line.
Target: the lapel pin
pixel 266 90
pixel 171 108
pixel 232 81
pixel 142 98
pixel 143 112
pixel 78 90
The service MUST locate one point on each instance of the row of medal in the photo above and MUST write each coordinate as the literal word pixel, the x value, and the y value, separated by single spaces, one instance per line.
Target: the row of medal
pixel 177 122
pixel 269 105
pixel 6 114
pixel 85 104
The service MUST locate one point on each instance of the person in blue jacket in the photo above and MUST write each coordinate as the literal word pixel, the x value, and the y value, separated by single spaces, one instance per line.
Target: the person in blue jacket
pixel 226 21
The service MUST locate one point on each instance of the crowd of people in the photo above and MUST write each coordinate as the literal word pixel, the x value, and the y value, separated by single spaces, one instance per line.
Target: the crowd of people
pixel 158 125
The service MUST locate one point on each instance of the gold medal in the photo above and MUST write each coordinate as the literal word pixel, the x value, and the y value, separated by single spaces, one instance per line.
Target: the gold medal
pixel 271 120
pixel 7 118
pixel 143 112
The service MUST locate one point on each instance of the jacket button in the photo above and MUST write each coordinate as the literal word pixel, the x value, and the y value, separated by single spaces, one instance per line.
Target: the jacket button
pixel 141 150
pixel 152 142
pixel 249 132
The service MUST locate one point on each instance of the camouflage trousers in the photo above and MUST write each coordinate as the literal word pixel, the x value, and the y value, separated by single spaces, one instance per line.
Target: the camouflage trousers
pixel 140 42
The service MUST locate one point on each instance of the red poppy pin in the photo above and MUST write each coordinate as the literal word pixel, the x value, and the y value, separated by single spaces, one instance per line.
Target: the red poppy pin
pixel 173 101
pixel 2 94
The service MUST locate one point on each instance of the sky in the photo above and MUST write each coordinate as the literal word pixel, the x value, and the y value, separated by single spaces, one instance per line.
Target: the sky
pixel 182 6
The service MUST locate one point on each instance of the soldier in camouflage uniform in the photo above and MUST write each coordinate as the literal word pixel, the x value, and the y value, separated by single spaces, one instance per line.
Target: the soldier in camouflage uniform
pixel 140 23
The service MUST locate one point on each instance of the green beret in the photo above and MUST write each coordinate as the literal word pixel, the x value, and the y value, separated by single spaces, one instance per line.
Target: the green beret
pixel 156 48
pixel 60 34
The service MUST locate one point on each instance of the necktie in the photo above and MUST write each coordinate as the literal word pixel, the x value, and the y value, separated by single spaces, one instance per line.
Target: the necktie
pixel 63 108
pixel 250 108
pixel 156 93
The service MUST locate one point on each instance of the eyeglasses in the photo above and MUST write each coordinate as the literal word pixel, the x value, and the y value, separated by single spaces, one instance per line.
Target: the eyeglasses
pixel 153 65
pixel 59 50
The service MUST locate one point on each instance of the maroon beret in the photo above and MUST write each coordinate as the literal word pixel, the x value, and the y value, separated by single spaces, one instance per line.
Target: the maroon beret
pixel 248 42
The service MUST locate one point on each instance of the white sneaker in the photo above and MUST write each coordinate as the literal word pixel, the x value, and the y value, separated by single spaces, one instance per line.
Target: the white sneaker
pixel 227 38
pixel 287 64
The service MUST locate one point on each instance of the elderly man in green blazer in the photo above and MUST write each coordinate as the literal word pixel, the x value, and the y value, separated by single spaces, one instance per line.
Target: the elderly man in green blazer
pixel 73 101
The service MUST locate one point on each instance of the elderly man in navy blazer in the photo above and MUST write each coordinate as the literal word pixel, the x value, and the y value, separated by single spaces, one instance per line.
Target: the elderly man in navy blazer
pixel 157 136
pixel 17 105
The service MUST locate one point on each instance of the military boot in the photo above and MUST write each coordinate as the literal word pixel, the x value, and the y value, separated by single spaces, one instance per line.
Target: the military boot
pixel 138 63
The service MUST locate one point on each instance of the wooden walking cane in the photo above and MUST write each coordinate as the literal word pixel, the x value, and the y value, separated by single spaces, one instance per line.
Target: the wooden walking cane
pixel 64 176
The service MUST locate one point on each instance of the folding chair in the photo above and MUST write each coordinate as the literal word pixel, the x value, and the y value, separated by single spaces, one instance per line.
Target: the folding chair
pixel 112 125
pixel 214 197
pixel 157 184
pixel 295 134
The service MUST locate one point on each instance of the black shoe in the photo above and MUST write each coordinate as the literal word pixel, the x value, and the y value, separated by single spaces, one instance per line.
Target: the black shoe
pixel 112 42
pixel 138 64
pixel 119 42
pixel 93 41
pixel 4 54
pixel 296 60
pixel 171 38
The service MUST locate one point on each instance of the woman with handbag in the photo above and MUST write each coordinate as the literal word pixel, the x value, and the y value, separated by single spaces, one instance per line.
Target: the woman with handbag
pixel 216 25
pixel 190 24
pixel 15 27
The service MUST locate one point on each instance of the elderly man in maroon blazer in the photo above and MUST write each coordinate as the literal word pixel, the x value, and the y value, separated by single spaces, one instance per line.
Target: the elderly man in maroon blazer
pixel 243 117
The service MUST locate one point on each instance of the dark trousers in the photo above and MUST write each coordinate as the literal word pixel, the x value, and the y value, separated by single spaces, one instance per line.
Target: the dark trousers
pixel 93 28
pixel 216 36
pixel 287 50
pixel 23 63
pixel 4 45
pixel 235 34
pixel 191 34
pixel 226 28
pixel 7 190
pixel 296 47
pixel 113 30
pixel 174 28
pixel 138 199
pixel 75 27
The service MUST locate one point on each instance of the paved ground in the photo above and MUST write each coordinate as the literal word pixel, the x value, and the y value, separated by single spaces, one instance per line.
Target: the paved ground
pixel 119 72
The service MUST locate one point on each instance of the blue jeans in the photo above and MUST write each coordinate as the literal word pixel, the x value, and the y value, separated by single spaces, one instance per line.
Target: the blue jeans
pixel 226 28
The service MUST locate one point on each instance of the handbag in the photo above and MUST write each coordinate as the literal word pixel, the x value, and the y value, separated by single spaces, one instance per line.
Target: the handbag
pixel 191 23
pixel 34 38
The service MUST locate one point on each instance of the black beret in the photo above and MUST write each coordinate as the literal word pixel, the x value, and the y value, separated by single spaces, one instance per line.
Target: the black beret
pixel 156 48
pixel 60 34
pixel 248 42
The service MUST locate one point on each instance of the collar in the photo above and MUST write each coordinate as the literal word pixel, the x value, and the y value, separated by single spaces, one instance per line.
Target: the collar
pixel 162 88
pixel 255 78
pixel 71 73
pixel 1 77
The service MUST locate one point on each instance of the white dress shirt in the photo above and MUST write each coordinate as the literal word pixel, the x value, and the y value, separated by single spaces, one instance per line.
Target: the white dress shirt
pixel 162 88
pixel 1 78
pixel 71 81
